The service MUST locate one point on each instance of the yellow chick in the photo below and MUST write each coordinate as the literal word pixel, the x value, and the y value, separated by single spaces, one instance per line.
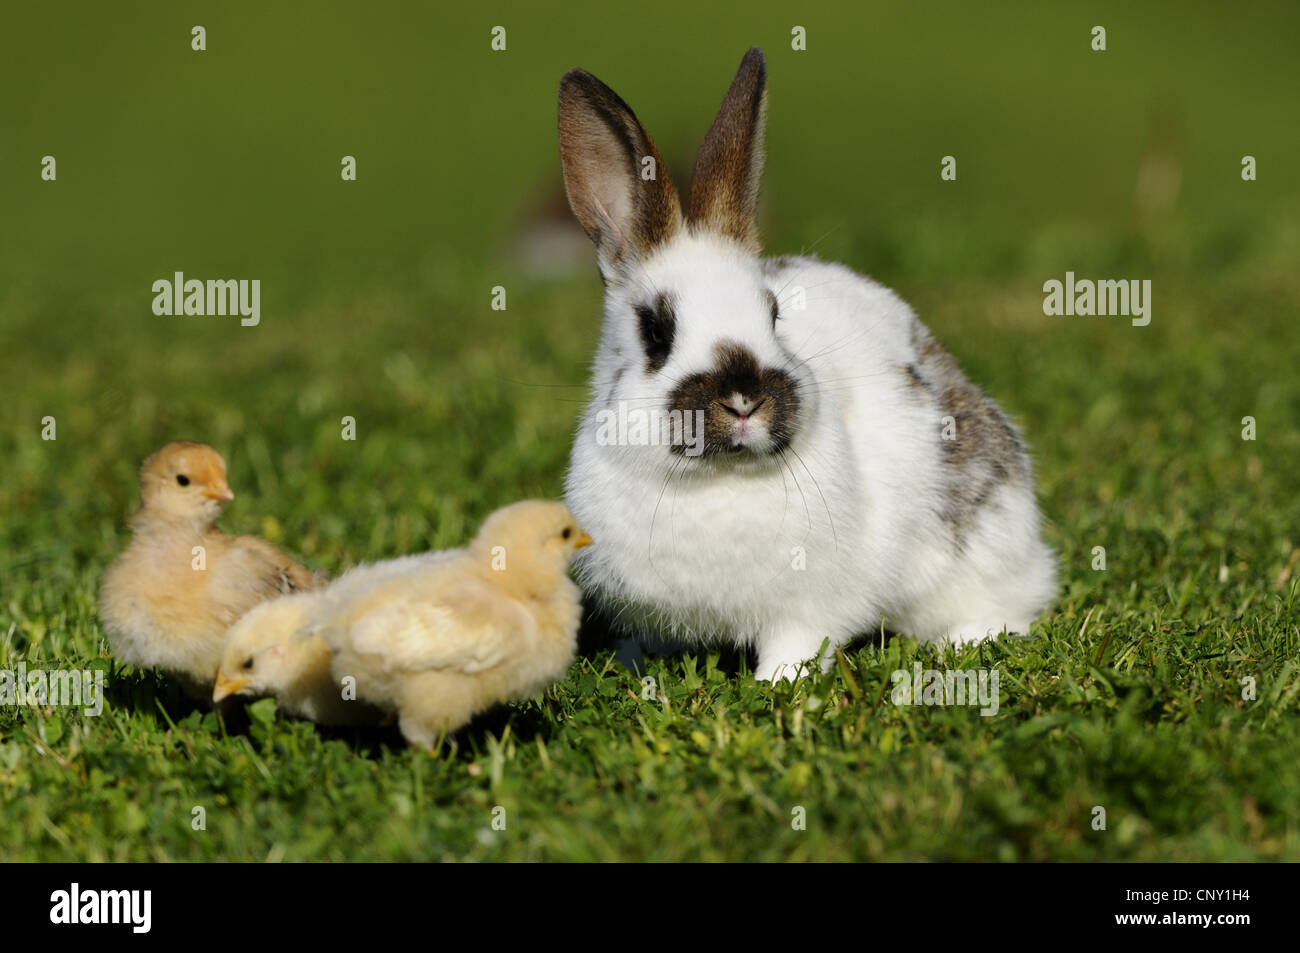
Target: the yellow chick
pixel 268 653
pixel 463 630
pixel 171 595
pixel 272 651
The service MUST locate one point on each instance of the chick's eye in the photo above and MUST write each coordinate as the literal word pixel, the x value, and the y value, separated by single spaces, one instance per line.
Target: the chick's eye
pixel 248 662
pixel 182 479
pixel 568 531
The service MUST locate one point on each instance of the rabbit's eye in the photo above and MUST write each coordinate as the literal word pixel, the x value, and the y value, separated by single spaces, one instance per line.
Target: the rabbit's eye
pixel 775 307
pixel 656 324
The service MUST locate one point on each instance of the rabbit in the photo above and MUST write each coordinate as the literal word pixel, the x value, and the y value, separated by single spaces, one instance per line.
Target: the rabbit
pixel 777 455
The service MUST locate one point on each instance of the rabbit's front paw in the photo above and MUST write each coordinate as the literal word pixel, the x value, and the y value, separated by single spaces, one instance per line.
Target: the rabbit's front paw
pixel 785 653
pixel 976 632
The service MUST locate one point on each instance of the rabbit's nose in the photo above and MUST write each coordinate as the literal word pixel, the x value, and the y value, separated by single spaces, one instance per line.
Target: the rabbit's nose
pixel 739 405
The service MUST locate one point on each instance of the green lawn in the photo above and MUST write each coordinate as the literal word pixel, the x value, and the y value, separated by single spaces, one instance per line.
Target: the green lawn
pixel 1129 694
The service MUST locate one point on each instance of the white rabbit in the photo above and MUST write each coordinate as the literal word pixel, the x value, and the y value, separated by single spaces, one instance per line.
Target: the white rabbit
pixel 828 470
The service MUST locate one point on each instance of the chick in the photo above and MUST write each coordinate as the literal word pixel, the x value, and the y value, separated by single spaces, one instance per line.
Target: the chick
pixel 449 637
pixel 167 603
pixel 270 651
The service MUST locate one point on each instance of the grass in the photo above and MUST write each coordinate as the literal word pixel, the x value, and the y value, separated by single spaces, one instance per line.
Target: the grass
pixel 1128 695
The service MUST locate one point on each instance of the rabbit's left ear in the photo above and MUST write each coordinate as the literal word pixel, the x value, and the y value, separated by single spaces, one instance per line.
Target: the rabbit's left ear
pixel 724 190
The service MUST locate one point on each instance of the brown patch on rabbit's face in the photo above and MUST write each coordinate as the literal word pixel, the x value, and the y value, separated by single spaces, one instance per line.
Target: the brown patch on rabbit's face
pixel 656 325
pixel 747 408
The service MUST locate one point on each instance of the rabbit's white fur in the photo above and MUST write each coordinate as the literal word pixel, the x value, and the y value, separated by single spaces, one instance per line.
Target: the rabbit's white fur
pixel 863 520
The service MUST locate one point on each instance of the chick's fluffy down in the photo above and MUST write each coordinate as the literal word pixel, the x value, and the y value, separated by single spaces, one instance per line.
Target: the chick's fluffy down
pixel 453 636
pixel 171 595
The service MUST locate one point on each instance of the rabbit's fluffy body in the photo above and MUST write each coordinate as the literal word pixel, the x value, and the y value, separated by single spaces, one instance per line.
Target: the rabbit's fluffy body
pixel 852 477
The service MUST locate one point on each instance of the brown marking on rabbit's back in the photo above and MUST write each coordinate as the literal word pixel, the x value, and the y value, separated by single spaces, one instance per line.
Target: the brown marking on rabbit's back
pixel 986 451
pixel 916 384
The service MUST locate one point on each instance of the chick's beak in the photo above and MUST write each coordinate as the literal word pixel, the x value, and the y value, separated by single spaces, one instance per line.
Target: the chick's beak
pixel 218 489
pixel 582 540
pixel 226 687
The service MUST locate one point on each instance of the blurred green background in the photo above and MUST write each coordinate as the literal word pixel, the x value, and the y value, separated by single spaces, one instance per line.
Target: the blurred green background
pixel 376 293
pixel 376 304
pixel 227 161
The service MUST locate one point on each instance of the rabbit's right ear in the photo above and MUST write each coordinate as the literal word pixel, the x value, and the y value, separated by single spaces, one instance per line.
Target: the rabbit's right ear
pixel 615 178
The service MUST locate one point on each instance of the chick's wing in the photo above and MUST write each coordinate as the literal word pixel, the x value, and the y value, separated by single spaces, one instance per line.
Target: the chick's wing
pixel 274 570
pixel 468 627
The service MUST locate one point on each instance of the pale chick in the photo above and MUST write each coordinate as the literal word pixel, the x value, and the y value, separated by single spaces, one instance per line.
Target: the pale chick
pixel 467 629
pixel 170 597
pixel 271 652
